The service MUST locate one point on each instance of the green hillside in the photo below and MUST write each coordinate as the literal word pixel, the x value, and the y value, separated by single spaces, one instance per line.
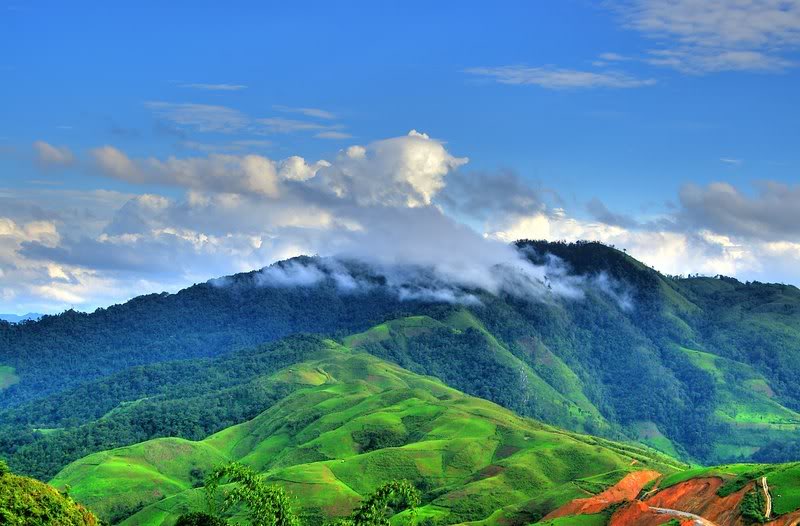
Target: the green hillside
pixel 461 352
pixel 354 422
pixel 745 405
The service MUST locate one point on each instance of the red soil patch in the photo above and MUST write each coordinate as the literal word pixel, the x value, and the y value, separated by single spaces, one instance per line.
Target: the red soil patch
pixel 626 489
pixel 638 513
pixel 791 519
pixel 699 496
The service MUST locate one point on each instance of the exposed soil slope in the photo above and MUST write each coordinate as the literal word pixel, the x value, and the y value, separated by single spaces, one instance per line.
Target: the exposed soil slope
pixel 623 491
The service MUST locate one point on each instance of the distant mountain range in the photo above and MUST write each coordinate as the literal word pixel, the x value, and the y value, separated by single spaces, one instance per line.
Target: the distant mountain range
pixel 15 318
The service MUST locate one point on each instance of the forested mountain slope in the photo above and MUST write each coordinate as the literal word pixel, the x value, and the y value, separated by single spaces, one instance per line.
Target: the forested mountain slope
pixel 701 368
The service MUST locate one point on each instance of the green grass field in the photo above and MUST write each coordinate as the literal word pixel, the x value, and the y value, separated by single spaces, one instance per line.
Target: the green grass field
pixel 358 422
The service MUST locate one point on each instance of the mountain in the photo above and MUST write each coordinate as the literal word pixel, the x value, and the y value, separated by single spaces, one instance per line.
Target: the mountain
pixel 700 368
pixel 15 318
pixel 352 422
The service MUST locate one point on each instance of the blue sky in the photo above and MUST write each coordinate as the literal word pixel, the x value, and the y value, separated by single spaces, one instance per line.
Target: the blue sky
pixel 667 127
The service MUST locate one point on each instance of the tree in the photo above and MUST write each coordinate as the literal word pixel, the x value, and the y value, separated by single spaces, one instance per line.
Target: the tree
pixel 267 505
pixel 373 511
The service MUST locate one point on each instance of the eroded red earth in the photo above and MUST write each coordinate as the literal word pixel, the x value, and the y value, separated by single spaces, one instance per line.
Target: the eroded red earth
pixel 625 490
pixel 697 497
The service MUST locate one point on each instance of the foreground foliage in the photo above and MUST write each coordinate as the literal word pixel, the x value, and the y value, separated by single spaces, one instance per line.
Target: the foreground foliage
pixel 268 505
pixel 28 502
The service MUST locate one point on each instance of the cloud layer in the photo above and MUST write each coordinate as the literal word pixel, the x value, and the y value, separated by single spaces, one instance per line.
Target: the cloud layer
pixel 402 202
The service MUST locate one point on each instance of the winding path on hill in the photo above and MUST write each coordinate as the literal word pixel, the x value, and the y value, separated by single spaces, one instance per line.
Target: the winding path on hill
pixel 767 497
pixel 698 520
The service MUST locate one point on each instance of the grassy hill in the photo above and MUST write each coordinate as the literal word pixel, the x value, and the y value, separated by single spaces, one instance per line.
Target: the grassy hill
pixel 353 422
pixel 461 352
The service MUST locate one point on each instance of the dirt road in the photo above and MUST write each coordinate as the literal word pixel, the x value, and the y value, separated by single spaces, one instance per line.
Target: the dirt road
pixel 698 520
pixel 767 497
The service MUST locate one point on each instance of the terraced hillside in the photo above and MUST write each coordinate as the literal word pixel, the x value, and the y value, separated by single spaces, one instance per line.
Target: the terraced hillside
pixel 352 422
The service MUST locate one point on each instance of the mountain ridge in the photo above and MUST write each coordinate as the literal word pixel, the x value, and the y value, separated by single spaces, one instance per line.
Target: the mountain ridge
pixel 575 355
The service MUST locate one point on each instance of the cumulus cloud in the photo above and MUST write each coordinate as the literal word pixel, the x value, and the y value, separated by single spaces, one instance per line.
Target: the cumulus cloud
pixel 218 172
pixel 402 171
pixel 560 78
pixel 49 156
pixel 296 168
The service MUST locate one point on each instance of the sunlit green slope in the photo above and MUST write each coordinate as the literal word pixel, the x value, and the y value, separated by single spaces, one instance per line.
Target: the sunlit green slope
pixel 356 421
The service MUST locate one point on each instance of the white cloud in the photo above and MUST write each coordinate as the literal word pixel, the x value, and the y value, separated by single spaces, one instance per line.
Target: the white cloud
pixel 560 78
pixel 222 119
pixel 403 171
pixel 296 168
pixel 333 135
pixel 217 172
pixel 53 156
pixel 215 87
pixel 718 23
pixel 115 163
pixel 308 112
pixel 281 125
pixel 668 251
pixel 612 57
pixel 701 36
pixel 201 117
